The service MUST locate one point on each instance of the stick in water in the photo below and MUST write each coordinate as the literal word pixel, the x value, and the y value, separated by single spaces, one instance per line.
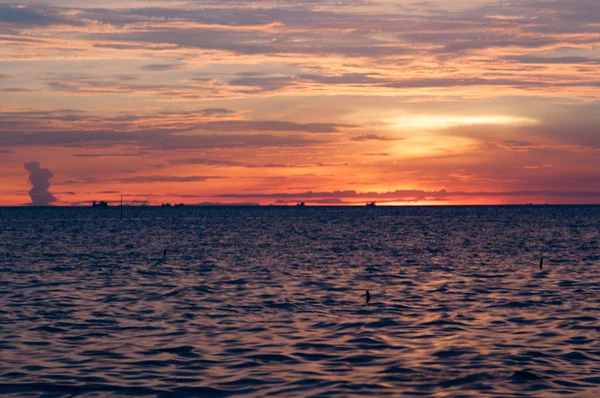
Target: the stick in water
pixel 144 204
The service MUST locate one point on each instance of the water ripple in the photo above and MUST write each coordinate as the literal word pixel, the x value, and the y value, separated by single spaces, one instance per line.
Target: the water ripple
pixel 270 302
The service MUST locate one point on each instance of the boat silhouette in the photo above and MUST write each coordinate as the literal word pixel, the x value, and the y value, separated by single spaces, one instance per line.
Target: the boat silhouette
pixel 371 204
pixel 100 204
pixel 300 204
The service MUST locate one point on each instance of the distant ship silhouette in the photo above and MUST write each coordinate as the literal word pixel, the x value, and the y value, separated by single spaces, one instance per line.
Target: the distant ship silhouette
pixel 371 204
pixel 166 204
pixel 300 204
pixel 100 204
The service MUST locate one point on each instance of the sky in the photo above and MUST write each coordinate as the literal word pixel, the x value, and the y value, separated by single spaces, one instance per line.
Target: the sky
pixel 330 102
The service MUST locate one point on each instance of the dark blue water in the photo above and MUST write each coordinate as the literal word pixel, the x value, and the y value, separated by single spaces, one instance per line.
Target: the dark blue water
pixel 270 301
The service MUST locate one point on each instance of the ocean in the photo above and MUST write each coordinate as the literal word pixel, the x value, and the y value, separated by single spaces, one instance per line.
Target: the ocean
pixel 270 301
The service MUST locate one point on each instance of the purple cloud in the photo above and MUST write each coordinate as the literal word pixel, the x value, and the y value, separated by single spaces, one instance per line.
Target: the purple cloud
pixel 40 181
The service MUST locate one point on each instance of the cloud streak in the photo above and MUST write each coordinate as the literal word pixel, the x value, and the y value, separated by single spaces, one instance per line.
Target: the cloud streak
pixel 155 132
pixel 406 195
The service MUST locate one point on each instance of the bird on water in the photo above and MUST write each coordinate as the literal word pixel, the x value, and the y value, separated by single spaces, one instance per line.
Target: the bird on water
pixel 368 296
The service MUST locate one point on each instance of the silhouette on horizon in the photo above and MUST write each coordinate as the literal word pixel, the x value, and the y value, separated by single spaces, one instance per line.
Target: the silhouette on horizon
pixel 367 296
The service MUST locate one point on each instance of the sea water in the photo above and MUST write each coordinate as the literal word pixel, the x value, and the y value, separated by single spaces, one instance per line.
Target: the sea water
pixel 264 301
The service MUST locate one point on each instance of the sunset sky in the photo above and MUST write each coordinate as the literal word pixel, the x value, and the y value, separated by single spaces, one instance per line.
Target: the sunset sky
pixel 279 101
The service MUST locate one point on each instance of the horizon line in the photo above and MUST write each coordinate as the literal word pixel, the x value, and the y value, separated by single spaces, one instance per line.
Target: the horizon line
pixel 320 205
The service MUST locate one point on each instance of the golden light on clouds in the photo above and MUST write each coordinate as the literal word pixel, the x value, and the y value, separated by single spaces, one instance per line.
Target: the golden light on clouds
pixel 427 122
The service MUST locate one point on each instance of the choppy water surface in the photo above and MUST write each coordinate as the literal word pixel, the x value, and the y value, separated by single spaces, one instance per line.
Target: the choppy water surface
pixel 270 301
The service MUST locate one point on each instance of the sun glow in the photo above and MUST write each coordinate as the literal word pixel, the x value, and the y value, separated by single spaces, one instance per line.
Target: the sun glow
pixel 441 122
pixel 432 145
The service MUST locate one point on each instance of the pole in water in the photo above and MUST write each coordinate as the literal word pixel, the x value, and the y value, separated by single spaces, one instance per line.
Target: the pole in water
pixel 165 253
pixel 541 263
pixel 144 204
pixel 121 207
pixel 367 296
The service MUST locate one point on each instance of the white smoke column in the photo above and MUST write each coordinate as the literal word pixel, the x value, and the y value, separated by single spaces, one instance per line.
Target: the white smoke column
pixel 40 181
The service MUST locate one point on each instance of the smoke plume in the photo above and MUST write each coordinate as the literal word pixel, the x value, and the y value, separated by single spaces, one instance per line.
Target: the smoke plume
pixel 40 181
